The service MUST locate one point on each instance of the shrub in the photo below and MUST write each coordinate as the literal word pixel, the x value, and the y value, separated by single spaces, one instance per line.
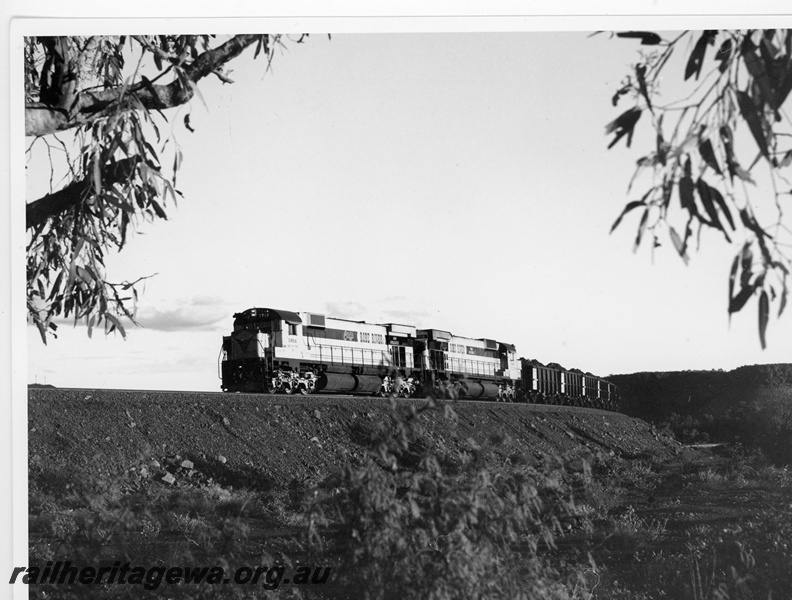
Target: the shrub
pixel 405 527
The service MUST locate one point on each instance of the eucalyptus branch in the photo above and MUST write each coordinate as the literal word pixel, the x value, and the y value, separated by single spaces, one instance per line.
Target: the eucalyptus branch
pixel 113 174
pixel 699 162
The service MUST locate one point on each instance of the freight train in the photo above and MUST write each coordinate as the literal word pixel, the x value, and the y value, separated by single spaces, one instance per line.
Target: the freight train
pixel 278 351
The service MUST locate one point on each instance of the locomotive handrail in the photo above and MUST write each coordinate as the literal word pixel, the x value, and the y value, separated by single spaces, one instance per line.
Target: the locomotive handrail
pixel 472 367
pixel 222 356
pixel 355 356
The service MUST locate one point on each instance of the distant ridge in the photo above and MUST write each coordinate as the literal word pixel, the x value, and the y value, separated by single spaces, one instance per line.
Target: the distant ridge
pixel 751 405
pixel 654 395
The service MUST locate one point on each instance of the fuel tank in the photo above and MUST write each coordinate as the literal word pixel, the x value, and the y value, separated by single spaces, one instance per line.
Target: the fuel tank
pixel 339 383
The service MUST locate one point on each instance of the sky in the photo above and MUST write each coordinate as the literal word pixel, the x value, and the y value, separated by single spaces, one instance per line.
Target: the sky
pixel 457 179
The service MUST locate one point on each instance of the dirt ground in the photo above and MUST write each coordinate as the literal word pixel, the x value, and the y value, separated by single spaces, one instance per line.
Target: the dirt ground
pixel 273 441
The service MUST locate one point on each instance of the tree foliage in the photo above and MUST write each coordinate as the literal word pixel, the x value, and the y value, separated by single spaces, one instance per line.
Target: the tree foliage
pixel 101 103
pixel 721 153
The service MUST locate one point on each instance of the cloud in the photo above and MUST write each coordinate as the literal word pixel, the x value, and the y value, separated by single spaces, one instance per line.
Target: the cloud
pixel 346 310
pixel 204 313
pixel 201 313
pixel 406 317
pixel 207 301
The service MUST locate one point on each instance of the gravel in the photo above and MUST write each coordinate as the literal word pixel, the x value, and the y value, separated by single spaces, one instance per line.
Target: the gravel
pixel 267 442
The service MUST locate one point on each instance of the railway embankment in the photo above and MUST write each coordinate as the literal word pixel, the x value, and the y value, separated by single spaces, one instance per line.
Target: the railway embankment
pixel 271 442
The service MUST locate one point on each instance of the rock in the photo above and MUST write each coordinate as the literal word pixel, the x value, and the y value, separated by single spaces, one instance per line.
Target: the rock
pixel 168 478
pixel 222 459
pixel 187 464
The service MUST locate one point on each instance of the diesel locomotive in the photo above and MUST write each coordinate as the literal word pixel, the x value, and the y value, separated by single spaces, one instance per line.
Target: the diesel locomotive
pixel 278 351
